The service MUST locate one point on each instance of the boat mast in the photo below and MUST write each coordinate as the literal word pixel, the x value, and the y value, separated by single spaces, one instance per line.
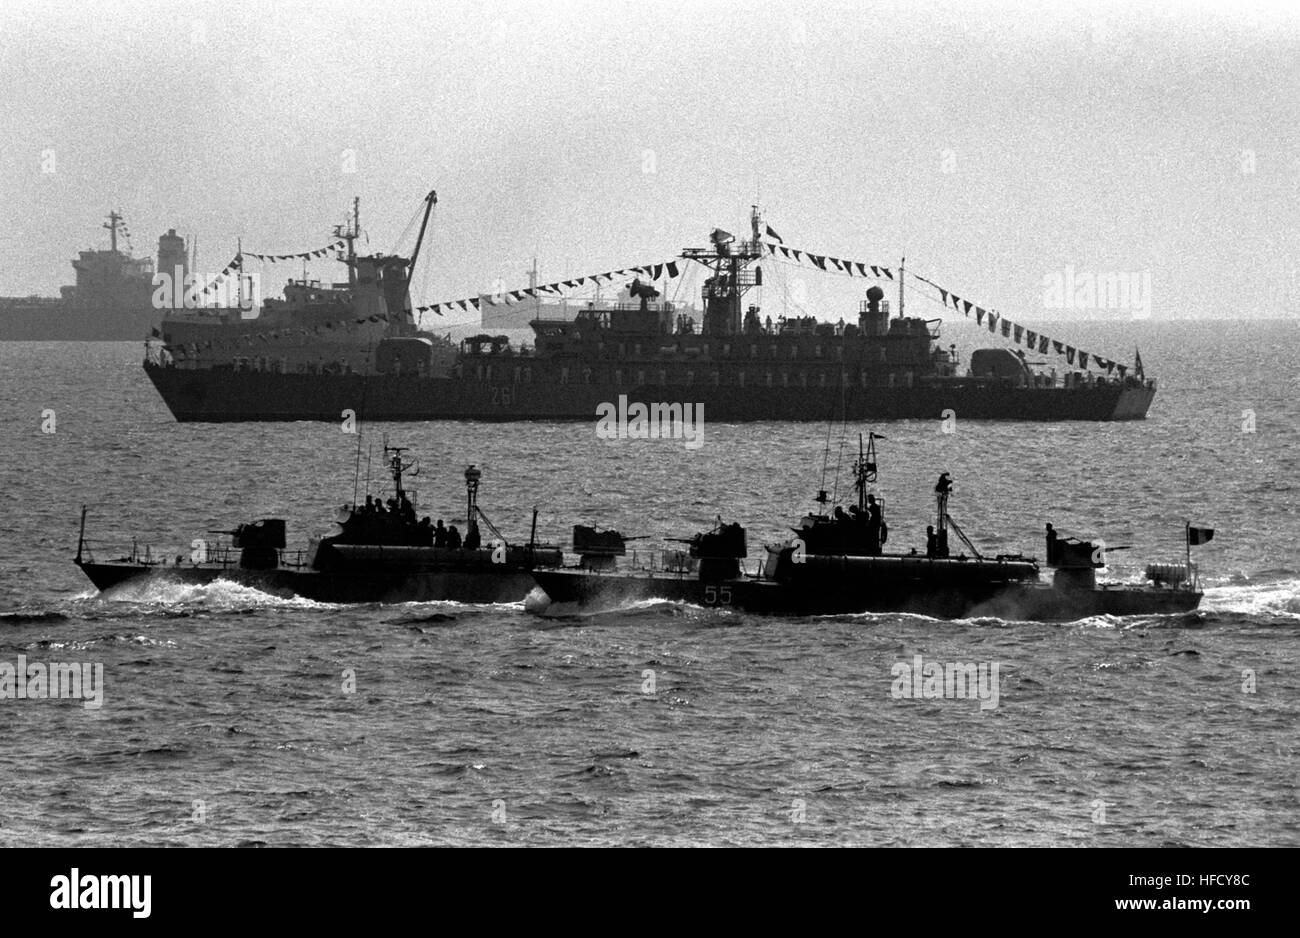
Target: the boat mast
pixel 864 470
pixel 395 467
pixel 901 270
pixel 350 233
pixel 114 222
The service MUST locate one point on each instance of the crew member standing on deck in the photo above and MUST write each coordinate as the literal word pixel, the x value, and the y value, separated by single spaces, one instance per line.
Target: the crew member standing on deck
pixel 874 523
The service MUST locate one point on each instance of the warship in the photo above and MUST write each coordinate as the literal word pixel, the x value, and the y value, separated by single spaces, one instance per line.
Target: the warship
pixel 836 564
pixel 380 554
pixel 112 299
pixel 328 332
pixel 363 353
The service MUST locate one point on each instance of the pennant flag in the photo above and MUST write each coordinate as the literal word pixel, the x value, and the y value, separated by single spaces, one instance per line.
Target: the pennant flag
pixel 1083 360
pixel 1058 347
pixel 530 291
pixel 967 304
pixel 569 283
pixel 672 269
pixel 797 254
pixel 785 251
pixel 993 321
pixel 885 271
pixel 474 303
pixel 1006 329
pixel 944 293
pixel 979 316
pixel 657 271
pixel 1069 354
pixel 1031 339
pixel 773 234
pixel 1042 343
pixel 771 248
pixel 1019 331
pixel 819 260
pixel 1198 535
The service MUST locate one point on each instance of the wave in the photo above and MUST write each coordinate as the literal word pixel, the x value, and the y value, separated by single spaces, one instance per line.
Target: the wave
pixel 143 641
pixel 539 604
pixel 1277 600
pixel 224 596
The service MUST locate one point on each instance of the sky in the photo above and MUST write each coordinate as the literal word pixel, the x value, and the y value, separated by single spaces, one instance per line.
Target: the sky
pixel 1000 146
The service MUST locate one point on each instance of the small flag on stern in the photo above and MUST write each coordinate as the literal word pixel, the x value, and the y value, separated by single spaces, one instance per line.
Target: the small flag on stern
pixel 1197 535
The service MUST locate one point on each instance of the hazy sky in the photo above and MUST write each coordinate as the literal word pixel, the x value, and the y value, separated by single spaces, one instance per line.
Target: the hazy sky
pixel 994 143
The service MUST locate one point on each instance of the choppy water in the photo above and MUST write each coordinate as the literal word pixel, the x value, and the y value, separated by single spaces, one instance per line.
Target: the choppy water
pixel 472 724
